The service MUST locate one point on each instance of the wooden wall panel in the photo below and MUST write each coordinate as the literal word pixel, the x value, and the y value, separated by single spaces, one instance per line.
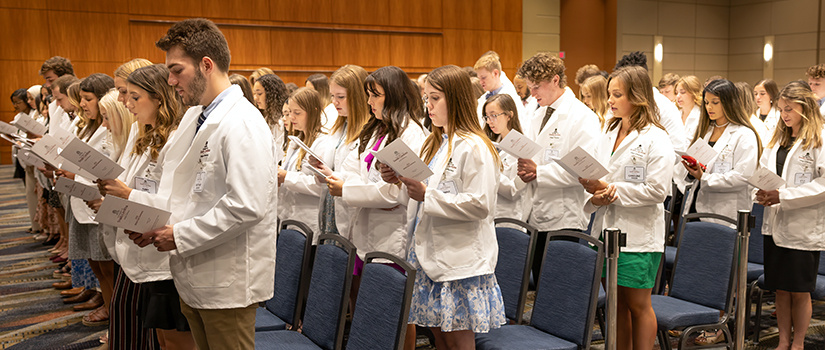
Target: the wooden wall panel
pixel 374 12
pixel 99 38
pixel 105 6
pixel 362 49
pixel 464 47
pixel 246 9
pixel 507 16
pixel 309 11
pixel 420 13
pixel 16 75
pixel 508 47
pixel 302 48
pixel 142 38
pixel 183 8
pixel 23 32
pixel 467 14
pixel 420 51
pixel 249 45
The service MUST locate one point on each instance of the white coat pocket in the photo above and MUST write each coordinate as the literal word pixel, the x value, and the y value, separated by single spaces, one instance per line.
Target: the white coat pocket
pixel 213 268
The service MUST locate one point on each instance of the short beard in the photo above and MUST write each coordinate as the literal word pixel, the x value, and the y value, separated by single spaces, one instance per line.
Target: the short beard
pixel 196 89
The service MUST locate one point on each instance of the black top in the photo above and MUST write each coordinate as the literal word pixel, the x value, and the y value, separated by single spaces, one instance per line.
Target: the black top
pixel 712 143
pixel 763 117
pixel 781 155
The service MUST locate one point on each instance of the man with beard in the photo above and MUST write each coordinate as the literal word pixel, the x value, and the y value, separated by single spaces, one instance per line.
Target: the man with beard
pixel 218 180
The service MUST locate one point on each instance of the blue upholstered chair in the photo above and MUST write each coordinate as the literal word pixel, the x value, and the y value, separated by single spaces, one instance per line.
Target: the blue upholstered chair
pixel 702 281
pixel 670 251
pixel 383 307
pixel 329 288
pixel 565 303
pixel 291 276
pixel 516 243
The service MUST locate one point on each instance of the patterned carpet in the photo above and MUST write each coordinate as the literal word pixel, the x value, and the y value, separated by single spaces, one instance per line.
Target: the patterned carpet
pixel 32 315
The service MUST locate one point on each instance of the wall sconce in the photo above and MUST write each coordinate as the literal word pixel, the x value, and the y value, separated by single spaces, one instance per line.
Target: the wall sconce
pixel 767 52
pixel 657 52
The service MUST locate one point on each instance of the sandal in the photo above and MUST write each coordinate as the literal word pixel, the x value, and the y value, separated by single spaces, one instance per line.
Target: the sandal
pixel 710 338
pixel 674 333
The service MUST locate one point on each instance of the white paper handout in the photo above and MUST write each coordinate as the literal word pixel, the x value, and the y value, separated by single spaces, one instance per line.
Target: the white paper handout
pixel 701 151
pixel 765 179
pixel 519 145
pixel 7 128
pixel 91 160
pixel 76 189
pixel 132 216
pixel 26 123
pixel 398 156
pixel 63 137
pixel 307 149
pixel 581 164
pixel 47 149
pixel 26 156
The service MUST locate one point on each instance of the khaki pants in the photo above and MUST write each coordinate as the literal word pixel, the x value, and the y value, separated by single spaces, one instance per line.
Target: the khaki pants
pixel 219 329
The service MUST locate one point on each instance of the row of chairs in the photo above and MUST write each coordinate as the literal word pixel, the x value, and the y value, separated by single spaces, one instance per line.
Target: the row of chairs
pixel 312 290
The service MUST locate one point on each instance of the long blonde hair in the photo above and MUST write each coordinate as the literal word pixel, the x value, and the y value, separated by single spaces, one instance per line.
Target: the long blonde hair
pixel 462 119
pixel 597 87
pixel 692 86
pixel 310 101
pixel 119 118
pixel 810 134
pixel 639 91
pixel 127 68
pixel 351 78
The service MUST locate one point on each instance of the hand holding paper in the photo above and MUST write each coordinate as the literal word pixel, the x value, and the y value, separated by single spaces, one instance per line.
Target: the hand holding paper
pixel 701 151
pixel 581 164
pixel 91 160
pixel 398 156
pixel 26 123
pixel 519 145
pixel 122 213
pixel 765 179
pixel 307 149
pixel 76 189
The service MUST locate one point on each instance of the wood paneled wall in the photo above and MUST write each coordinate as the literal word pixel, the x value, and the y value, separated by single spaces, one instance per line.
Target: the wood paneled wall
pixel 295 38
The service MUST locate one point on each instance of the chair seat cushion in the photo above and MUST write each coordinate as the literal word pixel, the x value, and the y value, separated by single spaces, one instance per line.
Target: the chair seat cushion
pixel 760 282
pixel 754 271
pixel 265 320
pixel 670 256
pixel 286 340
pixel 520 337
pixel 672 313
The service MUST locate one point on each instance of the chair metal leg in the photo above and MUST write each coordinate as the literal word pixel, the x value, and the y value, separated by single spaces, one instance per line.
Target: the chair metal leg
pixel 664 340
pixel 757 323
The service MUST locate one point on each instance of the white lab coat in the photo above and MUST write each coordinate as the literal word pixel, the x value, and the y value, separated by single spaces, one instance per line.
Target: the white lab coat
pixel 725 193
pixel 328 117
pixel 530 107
pixel 762 130
pixel 141 265
pixel 378 218
pixel 671 118
pixel 455 237
pixel 556 195
pixel 822 109
pixel 771 121
pixel 301 191
pixel 691 124
pixel 278 136
pixel 339 152
pixel 512 201
pixel 225 234
pixel 82 213
pixel 798 221
pixel 58 118
pixel 638 210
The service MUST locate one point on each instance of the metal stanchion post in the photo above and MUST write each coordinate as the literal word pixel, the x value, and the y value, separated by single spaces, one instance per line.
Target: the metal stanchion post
pixel 614 240
pixel 745 222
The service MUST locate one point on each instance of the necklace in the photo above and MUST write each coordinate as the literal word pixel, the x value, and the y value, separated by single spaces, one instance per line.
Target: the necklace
pixel 720 126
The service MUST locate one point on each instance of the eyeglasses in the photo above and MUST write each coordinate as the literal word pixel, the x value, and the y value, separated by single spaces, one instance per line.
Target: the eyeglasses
pixel 492 117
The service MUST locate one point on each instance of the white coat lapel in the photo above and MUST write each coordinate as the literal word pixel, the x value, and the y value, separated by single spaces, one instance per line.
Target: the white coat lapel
pixel 789 158
pixel 724 144
pixel 617 155
pixel 439 166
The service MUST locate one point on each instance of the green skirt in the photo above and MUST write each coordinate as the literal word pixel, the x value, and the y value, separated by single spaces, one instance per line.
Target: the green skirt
pixel 636 270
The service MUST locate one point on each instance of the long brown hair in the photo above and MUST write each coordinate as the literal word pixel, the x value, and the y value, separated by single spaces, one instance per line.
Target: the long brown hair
pixel 402 105
pixel 153 79
pixel 732 105
pixel 310 101
pixel 351 78
pixel 461 112
pixel 639 91
pixel 810 134
pixel 98 84
pixel 508 106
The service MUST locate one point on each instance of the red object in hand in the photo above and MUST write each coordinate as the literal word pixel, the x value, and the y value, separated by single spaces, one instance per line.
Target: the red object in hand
pixel 692 162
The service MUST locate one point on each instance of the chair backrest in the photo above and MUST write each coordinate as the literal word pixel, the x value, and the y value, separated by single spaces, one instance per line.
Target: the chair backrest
pixel 705 265
pixel 291 271
pixel 329 289
pixel 568 289
pixel 515 257
pixel 683 208
pixel 756 241
pixel 383 305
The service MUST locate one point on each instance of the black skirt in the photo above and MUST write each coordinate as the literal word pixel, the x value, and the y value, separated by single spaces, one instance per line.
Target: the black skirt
pixel 789 269
pixel 160 307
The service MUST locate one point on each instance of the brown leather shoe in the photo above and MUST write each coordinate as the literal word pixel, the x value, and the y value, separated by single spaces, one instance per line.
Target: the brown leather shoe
pixel 62 285
pixel 83 296
pixel 99 317
pixel 72 292
pixel 95 302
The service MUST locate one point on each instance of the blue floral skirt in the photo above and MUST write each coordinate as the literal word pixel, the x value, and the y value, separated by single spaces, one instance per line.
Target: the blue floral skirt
pixel 82 274
pixel 473 303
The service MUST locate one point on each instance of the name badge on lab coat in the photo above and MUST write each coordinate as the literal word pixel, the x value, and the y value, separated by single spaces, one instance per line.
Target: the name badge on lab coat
pixel 146 185
pixel 551 153
pixel 374 176
pixel 448 187
pixel 802 178
pixel 634 173
pixel 200 177
pixel 722 167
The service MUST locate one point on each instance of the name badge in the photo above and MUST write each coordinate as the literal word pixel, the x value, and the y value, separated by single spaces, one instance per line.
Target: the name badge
pixel 722 167
pixel 802 178
pixel 551 153
pixel 374 176
pixel 146 185
pixel 200 177
pixel 634 173
pixel 448 187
